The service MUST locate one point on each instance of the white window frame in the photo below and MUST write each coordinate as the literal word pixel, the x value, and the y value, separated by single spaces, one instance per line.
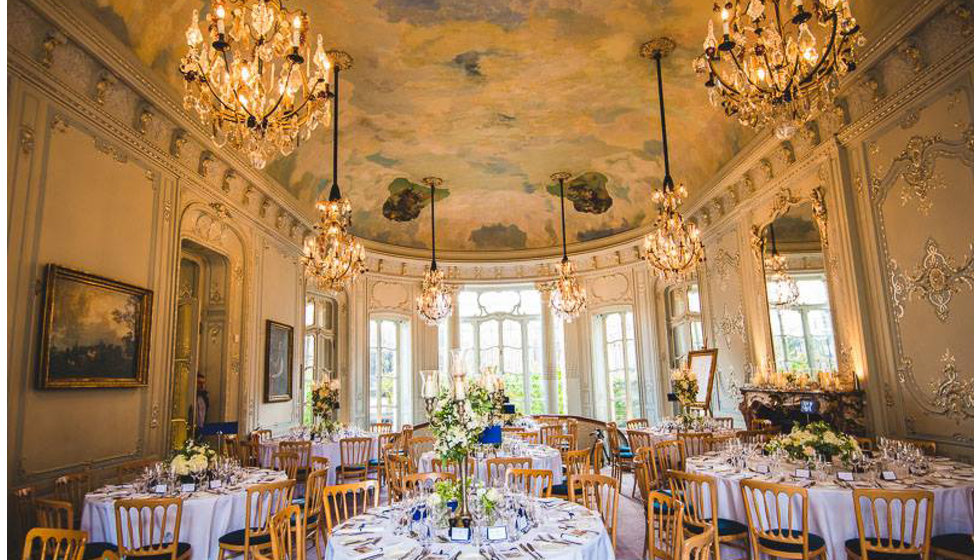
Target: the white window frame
pixel 804 310
pixel 683 319
pixel 323 331
pixel 402 373
pixel 605 397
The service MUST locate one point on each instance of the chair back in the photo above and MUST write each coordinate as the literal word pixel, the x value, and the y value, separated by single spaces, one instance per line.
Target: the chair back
pixel 637 423
pixel 718 442
pixel 536 482
pixel 778 514
pixel 262 502
pixel 343 501
pixel 287 462
pixel 699 494
pixel 72 488
pixel 313 500
pixel 318 463
pixel 303 451
pixel 248 452
pixel 893 523
pixel 640 438
pixel 664 530
pixel 570 426
pixel 417 446
pixel 406 438
pixel 54 514
pixel 131 470
pixel 229 446
pixel 645 471
pixel 598 457
pixel 726 422
pixel 440 466
pixel 354 455
pixel 759 424
pixel 20 508
pixel 548 431
pixel 396 467
pixel 698 547
pixel 54 544
pixel 749 437
pixel 262 435
pixel 527 437
pixel 423 482
pixel 695 443
pixel 286 534
pixel 497 468
pixel 668 455
pixel 562 442
pixel 388 442
pixel 381 428
pixel 578 461
pixel 599 493
pixel 148 527
pixel 613 438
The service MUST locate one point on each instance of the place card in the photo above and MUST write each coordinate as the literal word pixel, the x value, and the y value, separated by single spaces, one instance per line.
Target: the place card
pixel 459 534
pixel 160 489
pixel 188 487
pixel 802 473
pixel 496 533
pixel 214 484
pixel 888 475
pixel 845 476
pixel 761 469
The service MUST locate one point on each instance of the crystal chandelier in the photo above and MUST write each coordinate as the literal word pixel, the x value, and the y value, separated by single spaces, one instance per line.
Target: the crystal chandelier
pixel 333 257
pixel 770 68
pixel 567 295
pixel 435 302
pixel 248 81
pixel 673 248
pixel 782 289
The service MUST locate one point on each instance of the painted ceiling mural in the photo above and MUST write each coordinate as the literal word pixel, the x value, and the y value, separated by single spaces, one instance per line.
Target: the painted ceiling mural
pixel 493 96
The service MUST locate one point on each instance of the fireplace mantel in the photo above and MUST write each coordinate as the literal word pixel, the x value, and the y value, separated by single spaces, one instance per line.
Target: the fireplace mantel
pixel 844 410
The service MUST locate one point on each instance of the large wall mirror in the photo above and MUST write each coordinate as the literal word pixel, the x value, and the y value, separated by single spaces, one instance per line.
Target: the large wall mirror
pixel 791 249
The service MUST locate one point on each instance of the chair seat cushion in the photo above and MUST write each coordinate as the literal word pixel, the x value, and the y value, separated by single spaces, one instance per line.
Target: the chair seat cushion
pixel 726 527
pixel 560 489
pixel 961 543
pixel 182 550
pixel 854 546
pixel 625 449
pixel 237 538
pixel 816 542
pixel 625 454
pixel 352 468
pixel 95 550
pixel 375 463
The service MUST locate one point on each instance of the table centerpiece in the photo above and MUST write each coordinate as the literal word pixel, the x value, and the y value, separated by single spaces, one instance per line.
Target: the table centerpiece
pixel 813 441
pixel 684 384
pixel 193 462
pixel 325 397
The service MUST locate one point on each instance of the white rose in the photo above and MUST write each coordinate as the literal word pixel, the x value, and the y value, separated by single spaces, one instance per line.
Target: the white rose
pixel 809 451
pixel 179 465
pixel 493 495
pixel 198 463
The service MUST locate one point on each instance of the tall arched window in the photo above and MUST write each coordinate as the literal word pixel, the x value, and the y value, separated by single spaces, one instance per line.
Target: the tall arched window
pixel 319 345
pixel 615 365
pixel 390 384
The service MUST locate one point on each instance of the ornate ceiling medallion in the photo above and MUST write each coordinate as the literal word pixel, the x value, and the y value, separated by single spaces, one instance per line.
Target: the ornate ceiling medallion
pixel 248 82
pixel 673 249
pixel 435 302
pixel 770 67
pixel 568 298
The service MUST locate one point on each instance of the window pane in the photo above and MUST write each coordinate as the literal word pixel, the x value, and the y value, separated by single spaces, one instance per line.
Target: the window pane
pixel 374 334
pixel 618 394
pixel 697 335
pixel 512 334
pixel 693 299
pixel 489 334
pixel 387 362
pixel 536 397
pixel 819 322
pixel 631 355
pixel 467 304
pixel 499 302
pixel 466 336
pixel 792 322
pixel 530 302
pixel 513 360
pixel 490 357
pixel 534 347
pixel 309 350
pixel 629 326
pixel 389 334
pixel 614 357
pixel 813 291
pixel 614 327
pixel 514 387
pixel 675 302
pixel 310 315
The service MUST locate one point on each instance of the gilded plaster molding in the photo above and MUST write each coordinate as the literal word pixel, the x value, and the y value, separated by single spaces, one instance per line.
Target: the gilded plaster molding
pixel 951 394
pixel 731 324
pixel 936 279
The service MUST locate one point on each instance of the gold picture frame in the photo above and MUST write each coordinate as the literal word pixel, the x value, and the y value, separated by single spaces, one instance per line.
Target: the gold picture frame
pixel 278 362
pixel 704 363
pixel 95 331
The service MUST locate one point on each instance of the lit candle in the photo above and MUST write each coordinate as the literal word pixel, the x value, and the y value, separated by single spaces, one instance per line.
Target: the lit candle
pixel 219 12
pixel 297 25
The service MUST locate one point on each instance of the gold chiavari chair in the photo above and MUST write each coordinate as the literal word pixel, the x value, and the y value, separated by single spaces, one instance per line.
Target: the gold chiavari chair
pixel 381 428
pixel 312 518
pixel 387 443
pixel 527 437
pixel 571 429
pixel 599 493
pixel 900 524
pixel 759 424
pixel 319 463
pixel 775 527
pixel 562 442
pixel 263 435
pixel 511 430
pixel 928 447
pixel 262 502
pixel 640 438
pixel 497 468
pixel 620 452
pixel 150 528
pixel 304 454
pixel 248 453
pixel 397 466
pixel 418 446
pixel 54 514
pixel 418 482
pixel 699 494
pixel 575 462
pixel 286 537
pixel 287 462
pixel 664 533
pixel 21 512
pixel 131 470
pixel 229 446
pixel 354 456
pixel 645 472
pixel 726 422
pixel 598 456
pixel 54 544
pixel 536 482
pixel 667 455
pixel 718 442
pixel 343 501
pixel 759 437
pixel 437 465
pixel 546 432
pixel 695 443
pixel 637 423
pixel 72 488
pixel 407 434
pixel 698 547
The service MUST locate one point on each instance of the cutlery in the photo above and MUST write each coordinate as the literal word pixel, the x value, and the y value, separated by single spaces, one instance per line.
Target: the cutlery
pixel 535 551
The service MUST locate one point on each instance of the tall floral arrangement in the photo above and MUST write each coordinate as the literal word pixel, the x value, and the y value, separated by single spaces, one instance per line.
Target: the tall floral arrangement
pixel 193 458
pixel 806 443
pixel 684 384
pixel 457 427
pixel 326 400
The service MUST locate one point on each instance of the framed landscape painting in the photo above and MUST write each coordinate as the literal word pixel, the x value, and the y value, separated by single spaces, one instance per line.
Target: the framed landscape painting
pixel 95 332
pixel 278 362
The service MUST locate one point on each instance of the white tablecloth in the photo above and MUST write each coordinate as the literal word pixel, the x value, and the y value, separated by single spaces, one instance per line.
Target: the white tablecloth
pixel 597 546
pixel 206 516
pixel 324 448
pixel 542 457
pixel 831 508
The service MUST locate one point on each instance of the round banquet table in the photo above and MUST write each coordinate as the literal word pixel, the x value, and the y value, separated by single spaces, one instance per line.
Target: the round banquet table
pixel 323 448
pixel 206 514
pixel 559 519
pixel 831 507
pixel 542 457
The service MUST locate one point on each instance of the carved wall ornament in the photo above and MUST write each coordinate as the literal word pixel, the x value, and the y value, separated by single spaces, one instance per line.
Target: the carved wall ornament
pixel 110 150
pixel 810 133
pixel 264 207
pixel 177 142
pixel 916 165
pixel 766 167
pixel 26 139
pixel 52 41
pixel 725 266
pixel 819 204
pixel 747 184
pixel 206 164
pixel 168 210
pixel 230 176
pixel 280 219
pixel 220 210
pixel 59 124
pixel 154 416
pixel 935 279
pixel 785 153
pixel 731 324
pixel 144 119
pixel 910 118
pixel 106 80
pixel 952 396
pixel 911 55
pixel 782 202
pixel 247 193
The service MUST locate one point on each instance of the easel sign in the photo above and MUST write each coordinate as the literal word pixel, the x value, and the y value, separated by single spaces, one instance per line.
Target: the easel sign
pixel 703 363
